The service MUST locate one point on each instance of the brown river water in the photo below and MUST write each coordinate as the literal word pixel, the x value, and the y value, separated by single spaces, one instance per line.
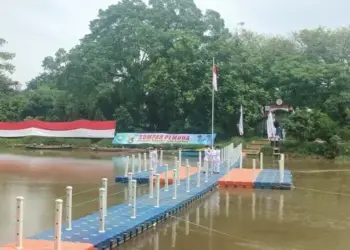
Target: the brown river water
pixel 313 216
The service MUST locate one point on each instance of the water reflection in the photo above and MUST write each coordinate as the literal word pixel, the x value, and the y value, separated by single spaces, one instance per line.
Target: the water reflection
pixel 227 202
pixel 280 208
pixel 207 229
pixel 156 241
pixel 197 215
pixel 36 208
pixel 253 205
pixel 173 234
pixel 206 209
pixel 187 222
pixel 239 203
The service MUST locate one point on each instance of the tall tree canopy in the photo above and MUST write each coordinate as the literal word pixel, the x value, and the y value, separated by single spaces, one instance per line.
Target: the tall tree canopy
pixel 149 67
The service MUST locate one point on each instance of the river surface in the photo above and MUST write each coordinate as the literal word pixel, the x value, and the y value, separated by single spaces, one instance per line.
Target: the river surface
pixel 313 216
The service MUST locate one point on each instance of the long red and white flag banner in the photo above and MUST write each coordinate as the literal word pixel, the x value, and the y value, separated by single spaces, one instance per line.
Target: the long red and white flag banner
pixel 215 79
pixel 74 129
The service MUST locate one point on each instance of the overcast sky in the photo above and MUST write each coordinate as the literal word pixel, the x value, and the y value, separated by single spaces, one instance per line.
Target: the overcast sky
pixel 37 28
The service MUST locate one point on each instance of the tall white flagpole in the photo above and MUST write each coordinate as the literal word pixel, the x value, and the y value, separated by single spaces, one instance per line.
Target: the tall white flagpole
pixel 212 108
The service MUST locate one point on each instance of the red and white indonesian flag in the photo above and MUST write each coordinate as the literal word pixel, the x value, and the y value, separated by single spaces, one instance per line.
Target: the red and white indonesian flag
pixel 74 129
pixel 215 79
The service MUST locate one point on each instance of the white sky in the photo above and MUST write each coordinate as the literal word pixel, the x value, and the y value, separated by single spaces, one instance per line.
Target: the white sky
pixel 37 28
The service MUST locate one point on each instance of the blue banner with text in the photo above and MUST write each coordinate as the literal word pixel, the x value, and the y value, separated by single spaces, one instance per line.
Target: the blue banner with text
pixel 162 138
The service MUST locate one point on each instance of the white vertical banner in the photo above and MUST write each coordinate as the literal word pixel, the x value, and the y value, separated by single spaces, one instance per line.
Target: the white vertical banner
pixel 240 123
pixel 215 88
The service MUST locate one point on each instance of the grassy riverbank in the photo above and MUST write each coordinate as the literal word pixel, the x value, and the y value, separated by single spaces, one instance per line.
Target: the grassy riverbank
pixel 106 143
pixel 292 147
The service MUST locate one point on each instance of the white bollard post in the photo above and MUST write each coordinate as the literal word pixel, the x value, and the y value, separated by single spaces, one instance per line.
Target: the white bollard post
pixel 200 157
pixel 157 161
pixel 127 166
pixel 223 154
pixel 19 225
pixel 166 179
pixel 282 159
pixel 178 168
pixel 133 206
pixel 206 167
pixel 69 197
pixel 145 161
pixel 130 187
pixel 58 224
pixel 222 160
pixel 157 189
pixel 105 186
pixel 174 183
pixel 150 162
pixel 227 158
pixel 198 174
pixel 101 210
pixel 281 167
pixel 151 183
pixel 161 158
pixel 254 164
pixel 261 160
pixel 133 163
pixel 227 152
pixel 241 157
pixel 180 158
pixel 187 177
pixel 175 162
pixel 227 164
pixel 139 162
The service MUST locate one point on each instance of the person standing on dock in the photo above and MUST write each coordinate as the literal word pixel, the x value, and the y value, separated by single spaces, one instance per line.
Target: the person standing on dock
pixel 216 160
pixel 206 157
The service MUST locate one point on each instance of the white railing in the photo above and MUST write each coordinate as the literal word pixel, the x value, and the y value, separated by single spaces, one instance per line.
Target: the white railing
pixel 230 155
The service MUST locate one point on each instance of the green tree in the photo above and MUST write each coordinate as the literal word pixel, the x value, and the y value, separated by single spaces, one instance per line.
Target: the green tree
pixel 309 125
pixel 149 67
pixel 6 68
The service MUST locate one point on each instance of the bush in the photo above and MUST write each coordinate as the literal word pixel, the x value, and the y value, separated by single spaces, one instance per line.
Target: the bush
pixel 345 133
pixel 306 125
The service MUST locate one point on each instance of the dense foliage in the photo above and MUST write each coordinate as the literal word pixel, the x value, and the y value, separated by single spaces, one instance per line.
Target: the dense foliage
pixel 149 67
pixel 310 125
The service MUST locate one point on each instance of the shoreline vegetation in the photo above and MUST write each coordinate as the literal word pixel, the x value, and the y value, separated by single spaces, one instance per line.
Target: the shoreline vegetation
pixel 90 144
pixel 293 148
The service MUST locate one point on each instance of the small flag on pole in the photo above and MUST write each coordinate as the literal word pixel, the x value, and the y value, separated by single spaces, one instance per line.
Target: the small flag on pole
pixel 215 80
pixel 240 124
